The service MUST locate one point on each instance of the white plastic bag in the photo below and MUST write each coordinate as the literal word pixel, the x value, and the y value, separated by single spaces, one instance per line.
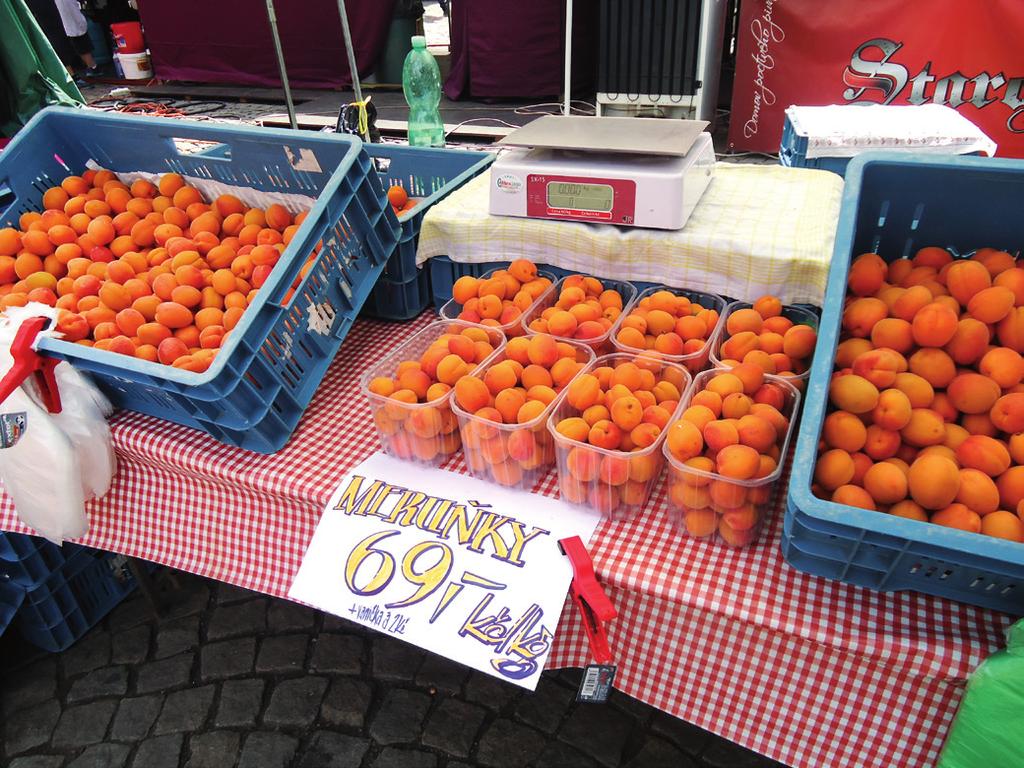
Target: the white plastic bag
pixel 51 464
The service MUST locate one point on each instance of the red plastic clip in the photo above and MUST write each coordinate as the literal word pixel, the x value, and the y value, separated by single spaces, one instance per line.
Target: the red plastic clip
pixel 588 595
pixel 28 361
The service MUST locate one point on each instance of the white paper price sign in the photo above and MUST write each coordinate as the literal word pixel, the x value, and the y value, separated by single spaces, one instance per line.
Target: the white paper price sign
pixel 462 568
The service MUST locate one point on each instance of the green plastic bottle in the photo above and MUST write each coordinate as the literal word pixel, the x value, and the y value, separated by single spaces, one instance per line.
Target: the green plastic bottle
pixel 989 728
pixel 421 82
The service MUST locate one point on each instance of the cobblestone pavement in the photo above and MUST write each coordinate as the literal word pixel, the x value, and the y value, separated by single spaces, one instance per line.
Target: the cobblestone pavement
pixel 228 677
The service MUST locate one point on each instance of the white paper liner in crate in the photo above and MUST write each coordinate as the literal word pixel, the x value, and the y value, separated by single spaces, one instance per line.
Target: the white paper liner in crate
pixel 846 130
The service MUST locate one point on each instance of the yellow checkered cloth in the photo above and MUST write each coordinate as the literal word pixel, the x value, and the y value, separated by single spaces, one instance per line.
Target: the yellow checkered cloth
pixel 758 229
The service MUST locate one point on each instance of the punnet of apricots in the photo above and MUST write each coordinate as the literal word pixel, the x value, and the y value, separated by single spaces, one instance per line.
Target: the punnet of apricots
pixel 151 271
pixel 779 340
pixel 410 390
pixel 499 298
pixel 726 452
pixel 926 413
pixel 608 429
pixel 502 408
pixel 580 308
pixel 675 324
pixel 400 200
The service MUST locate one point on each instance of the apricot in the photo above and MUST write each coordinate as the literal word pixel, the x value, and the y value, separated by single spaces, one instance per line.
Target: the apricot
pixel 934 481
pixel 886 483
pixel 1003 525
pixel 969 342
pixel 934 325
pixel 958 516
pixel 853 393
pixel 925 427
pixel 893 333
pixel 834 468
pixel 965 278
pixel 973 393
pixel 1010 330
pixel 933 365
pixel 542 350
pixel 991 305
pixel 978 491
pixel 866 275
pixel 1004 366
pixel 684 440
pixel 1011 488
pixel 861 314
pixel 844 430
pixel 893 410
pixel 471 393
pixel 757 433
pixel 880 366
pixel 740 462
pixel 853 496
pixel 1007 413
pixel 910 510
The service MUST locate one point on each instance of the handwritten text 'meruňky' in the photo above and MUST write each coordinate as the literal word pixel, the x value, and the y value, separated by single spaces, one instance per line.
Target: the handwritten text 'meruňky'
pixel 472 525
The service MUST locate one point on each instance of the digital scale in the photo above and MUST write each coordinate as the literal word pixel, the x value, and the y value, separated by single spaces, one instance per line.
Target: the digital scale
pixel 630 172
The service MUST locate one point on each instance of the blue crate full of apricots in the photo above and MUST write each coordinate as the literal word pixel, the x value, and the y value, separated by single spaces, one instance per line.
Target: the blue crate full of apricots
pixel 207 273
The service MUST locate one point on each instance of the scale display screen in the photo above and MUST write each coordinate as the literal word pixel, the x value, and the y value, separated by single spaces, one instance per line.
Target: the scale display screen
pixel 585 197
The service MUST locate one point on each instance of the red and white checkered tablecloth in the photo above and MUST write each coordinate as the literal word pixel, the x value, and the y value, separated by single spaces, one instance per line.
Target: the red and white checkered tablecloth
pixel 807 671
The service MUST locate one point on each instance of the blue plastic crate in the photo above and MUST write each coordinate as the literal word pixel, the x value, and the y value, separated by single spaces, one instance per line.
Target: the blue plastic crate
pixel 392 300
pixel 894 204
pixel 27 561
pixel 11 598
pixel 262 379
pixel 74 598
pixel 793 153
pixel 429 175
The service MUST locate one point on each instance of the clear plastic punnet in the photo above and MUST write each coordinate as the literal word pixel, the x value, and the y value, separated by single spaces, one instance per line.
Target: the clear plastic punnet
pixel 706 504
pixel 616 482
pixel 424 432
pixel 695 360
pixel 514 455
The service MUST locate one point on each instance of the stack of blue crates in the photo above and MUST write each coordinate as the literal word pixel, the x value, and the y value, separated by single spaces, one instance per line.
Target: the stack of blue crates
pixel 428 175
pixel 54 595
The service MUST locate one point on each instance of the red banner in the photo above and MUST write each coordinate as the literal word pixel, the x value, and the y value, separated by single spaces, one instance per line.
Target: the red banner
pixel 966 54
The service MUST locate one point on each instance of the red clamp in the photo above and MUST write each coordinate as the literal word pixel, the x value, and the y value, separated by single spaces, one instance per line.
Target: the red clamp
pixel 28 361
pixel 588 595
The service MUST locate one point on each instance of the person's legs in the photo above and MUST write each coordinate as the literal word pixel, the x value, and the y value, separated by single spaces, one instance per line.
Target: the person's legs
pixel 83 47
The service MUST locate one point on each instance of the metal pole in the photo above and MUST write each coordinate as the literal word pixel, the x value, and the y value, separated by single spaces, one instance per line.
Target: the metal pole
pixel 280 64
pixel 351 55
pixel 567 109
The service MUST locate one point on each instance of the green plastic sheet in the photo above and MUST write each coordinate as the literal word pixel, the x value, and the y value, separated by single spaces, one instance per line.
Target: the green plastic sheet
pixel 989 728
pixel 31 75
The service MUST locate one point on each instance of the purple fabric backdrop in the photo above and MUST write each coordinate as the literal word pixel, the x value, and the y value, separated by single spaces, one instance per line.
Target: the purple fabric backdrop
pixel 507 49
pixel 213 42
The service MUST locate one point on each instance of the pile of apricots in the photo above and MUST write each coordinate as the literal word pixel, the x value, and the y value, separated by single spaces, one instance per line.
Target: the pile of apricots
pixel 762 335
pixel 515 390
pixel 671 325
pixel 729 437
pixel 499 298
pixel 927 399
pixel 151 271
pixel 412 415
pixel 584 310
pixel 621 407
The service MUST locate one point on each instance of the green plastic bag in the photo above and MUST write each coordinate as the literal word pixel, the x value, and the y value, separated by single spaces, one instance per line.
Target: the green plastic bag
pixel 989 728
pixel 31 75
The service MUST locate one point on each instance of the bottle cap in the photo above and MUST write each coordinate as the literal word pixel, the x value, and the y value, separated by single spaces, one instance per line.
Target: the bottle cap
pixel 419 41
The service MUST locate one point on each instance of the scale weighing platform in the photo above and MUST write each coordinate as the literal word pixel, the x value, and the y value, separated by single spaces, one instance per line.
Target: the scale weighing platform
pixel 626 171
